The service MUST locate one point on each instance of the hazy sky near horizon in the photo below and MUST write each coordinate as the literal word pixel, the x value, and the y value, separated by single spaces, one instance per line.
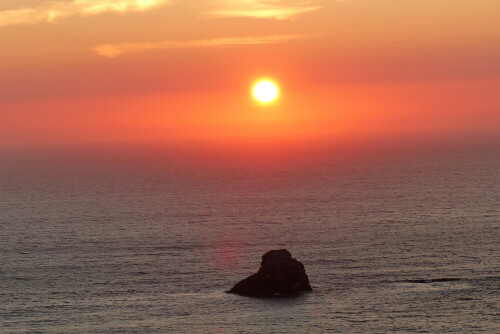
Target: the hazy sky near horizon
pixel 172 70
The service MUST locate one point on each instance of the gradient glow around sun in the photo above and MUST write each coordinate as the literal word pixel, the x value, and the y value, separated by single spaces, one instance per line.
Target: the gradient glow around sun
pixel 265 91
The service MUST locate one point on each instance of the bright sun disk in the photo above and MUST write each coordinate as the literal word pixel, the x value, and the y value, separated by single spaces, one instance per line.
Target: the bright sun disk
pixel 265 91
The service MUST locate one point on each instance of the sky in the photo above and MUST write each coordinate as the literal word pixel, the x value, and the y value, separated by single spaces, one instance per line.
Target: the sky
pixel 171 71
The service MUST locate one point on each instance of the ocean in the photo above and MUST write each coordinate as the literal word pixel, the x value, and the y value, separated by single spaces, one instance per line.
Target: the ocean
pixel 405 241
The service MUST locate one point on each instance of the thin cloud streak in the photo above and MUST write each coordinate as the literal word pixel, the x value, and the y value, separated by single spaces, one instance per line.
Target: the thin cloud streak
pixel 52 10
pixel 268 9
pixel 115 50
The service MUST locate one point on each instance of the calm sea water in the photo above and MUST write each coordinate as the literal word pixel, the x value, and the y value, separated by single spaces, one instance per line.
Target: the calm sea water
pixel 133 245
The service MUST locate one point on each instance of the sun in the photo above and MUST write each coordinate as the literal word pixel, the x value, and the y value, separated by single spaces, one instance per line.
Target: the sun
pixel 265 91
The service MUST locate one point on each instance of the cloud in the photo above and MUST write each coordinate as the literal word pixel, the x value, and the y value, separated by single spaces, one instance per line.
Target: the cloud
pixel 271 9
pixel 52 10
pixel 115 50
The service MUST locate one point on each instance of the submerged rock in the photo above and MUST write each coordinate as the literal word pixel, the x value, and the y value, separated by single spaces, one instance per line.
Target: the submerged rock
pixel 279 274
pixel 433 280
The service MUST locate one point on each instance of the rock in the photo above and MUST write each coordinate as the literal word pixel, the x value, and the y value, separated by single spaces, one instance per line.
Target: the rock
pixel 434 280
pixel 279 274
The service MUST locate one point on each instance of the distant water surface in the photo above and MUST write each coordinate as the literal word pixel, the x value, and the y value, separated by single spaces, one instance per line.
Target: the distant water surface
pixel 400 243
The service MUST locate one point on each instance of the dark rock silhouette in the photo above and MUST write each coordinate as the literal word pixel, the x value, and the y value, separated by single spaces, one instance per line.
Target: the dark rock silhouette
pixel 279 274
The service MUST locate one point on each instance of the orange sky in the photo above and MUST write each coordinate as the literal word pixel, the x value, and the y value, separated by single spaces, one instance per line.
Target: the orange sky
pixel 169 71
